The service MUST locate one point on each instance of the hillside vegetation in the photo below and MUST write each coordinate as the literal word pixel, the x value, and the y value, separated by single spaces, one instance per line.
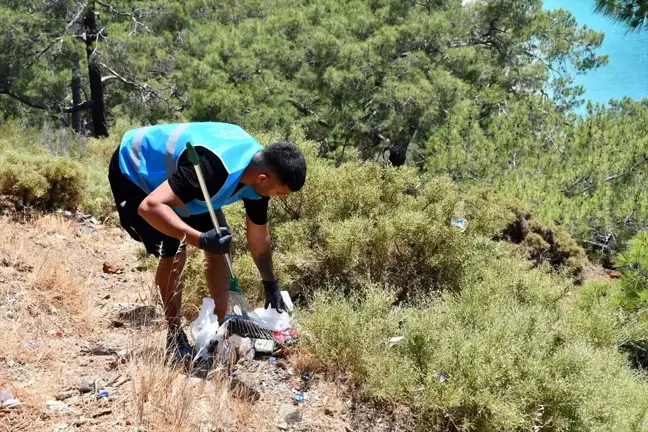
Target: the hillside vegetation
pixel 411 114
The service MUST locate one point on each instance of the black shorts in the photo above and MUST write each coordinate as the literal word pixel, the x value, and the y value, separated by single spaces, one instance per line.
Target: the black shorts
pixel 128 197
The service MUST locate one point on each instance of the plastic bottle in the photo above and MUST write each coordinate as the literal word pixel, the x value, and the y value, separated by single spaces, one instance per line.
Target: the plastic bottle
pixel 204 328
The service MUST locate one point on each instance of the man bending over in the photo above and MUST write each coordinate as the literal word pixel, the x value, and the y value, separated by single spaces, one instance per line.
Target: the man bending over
pixel 160 204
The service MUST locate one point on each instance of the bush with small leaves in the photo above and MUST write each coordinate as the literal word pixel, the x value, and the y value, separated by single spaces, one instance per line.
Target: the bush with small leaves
pixel 41 180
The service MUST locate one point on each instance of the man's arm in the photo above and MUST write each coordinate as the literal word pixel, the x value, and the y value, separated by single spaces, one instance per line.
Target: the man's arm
pixel 258 238
pixel 157 210
pixel 182 187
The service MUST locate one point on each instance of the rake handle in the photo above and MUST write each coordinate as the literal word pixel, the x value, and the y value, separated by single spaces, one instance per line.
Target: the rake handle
pixel 193 158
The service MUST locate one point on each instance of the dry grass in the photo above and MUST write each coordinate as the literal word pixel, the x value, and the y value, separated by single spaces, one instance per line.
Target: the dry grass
pixel 46 314
pixel 43 310
pixel 304 361
pixel 162 398
pixel 57 290
pixel 53 307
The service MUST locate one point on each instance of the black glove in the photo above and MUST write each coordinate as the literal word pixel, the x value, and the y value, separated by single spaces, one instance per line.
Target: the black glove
pixel 215 242
pixel 273 296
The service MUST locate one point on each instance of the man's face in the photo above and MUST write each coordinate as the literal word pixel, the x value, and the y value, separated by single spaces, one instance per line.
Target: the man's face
pixel 269 185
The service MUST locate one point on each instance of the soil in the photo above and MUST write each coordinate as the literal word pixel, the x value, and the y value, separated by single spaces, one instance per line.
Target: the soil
pixel 80 315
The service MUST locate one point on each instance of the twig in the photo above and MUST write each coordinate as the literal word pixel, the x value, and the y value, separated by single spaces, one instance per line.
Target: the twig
pixel 102 413
pixel 632 168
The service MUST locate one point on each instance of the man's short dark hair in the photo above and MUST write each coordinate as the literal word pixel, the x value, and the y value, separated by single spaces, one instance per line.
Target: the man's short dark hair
pixel 287 161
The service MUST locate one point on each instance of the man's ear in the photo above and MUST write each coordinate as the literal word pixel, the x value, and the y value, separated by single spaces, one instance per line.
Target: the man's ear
pixel 261 178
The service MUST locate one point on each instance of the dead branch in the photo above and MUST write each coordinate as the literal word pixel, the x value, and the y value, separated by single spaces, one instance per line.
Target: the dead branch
pixel 307 111
pixel 629 170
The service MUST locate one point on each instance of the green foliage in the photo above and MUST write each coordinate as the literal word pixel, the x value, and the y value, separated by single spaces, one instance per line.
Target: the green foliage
pixel 365 74
pixel 633 263
pixel 52 169
pixel 516 354
pixel 632 13
pixel 586 175
pixel 370 219
pixel 39 179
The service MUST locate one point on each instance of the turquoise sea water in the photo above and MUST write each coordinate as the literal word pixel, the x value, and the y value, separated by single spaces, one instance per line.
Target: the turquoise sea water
pixel 626 73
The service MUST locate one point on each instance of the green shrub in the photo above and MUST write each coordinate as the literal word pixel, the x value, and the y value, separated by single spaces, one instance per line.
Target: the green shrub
pixel 55 169
pixel 366 219
pixel 633 264
pixel 41 180
pixel 545 243
pixel 506 354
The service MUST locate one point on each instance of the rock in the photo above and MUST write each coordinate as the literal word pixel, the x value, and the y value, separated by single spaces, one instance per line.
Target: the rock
pixel 67 214
pixel 88 385
pixel 99 350
pixel 288 414
pixel 66 394
pixel 242 390
pixel 328 412
pixel 93 220
pixel 116 324
pixel 83 231
pixel 281 424
pixel 112 268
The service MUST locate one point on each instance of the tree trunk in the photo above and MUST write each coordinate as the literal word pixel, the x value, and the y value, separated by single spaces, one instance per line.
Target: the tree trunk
pixel 94 73
pixel 398 148
pixel 76 94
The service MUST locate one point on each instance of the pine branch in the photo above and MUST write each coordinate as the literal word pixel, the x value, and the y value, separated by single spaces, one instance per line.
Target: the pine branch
pixel 144 89
pixel 44 107
pixel 24 100
pixel 87 105
pixel 307 111
pixel 113 10
pixel 628 171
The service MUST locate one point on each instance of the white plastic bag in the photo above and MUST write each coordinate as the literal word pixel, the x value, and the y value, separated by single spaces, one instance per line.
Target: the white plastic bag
pixel 274 320
pixel 204 329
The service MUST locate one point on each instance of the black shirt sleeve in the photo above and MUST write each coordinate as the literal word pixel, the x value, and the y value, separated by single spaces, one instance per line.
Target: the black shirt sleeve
pixel 184 183
pixel 257 210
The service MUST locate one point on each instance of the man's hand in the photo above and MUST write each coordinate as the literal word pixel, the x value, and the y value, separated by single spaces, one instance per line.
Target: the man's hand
pixel 216 242
pixel 273 296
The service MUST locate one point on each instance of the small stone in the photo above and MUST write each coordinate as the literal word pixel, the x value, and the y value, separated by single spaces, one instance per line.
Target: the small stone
pixel 93 220
pixel 112 268
pixel 328 412
pixel 88 385
pixel 117 324
pixel 288 414
pixel 66 394
pixel 281 424
pixel 67 214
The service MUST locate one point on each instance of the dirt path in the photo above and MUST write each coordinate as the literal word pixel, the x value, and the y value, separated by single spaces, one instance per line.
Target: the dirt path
pixel 70 330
